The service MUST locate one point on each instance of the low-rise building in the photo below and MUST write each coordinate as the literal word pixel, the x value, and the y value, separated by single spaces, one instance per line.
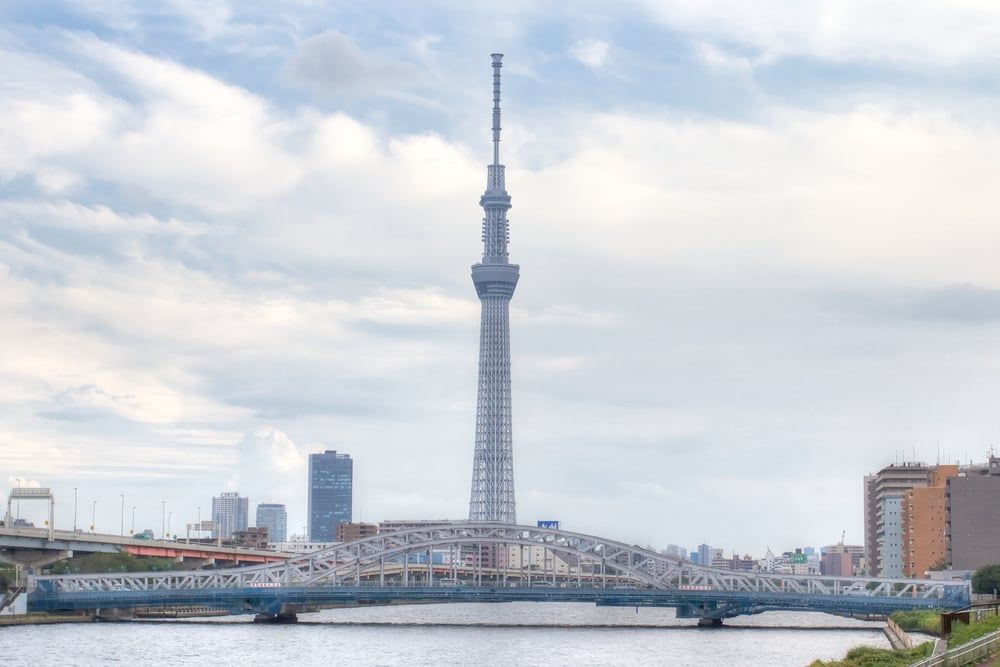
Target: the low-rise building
pixel 406 524
pixel 298 544
pixel 348 532
pixel 252 538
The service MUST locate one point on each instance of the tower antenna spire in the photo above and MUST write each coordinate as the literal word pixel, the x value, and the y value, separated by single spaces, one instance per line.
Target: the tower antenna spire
pixel 497 64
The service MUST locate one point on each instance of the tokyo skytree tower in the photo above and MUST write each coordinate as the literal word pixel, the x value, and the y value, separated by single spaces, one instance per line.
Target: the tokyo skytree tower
pixel 495 279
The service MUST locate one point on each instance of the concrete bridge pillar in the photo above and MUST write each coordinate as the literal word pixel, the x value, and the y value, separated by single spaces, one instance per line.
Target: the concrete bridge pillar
pixel 709 622
pixel 280 617
pixel 27 561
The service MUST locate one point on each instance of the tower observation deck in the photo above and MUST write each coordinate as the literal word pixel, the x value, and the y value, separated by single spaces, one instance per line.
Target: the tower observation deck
pixel 495 278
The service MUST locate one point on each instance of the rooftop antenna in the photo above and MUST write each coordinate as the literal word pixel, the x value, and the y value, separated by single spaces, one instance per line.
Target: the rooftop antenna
pixel 497 64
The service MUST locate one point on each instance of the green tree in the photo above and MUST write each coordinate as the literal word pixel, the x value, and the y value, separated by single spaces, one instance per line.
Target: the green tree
pixel 986 579
pixel 116 562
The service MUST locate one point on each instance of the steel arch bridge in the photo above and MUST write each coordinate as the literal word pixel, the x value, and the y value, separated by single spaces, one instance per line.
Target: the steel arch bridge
pixel 486 562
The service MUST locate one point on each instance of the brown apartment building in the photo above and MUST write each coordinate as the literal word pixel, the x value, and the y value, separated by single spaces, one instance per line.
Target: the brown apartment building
pixel 924 514
pixel 973 501
pixel 348 532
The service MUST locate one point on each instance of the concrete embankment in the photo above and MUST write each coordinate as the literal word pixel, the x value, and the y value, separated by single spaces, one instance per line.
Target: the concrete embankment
pixel 45 619
pixel 898 638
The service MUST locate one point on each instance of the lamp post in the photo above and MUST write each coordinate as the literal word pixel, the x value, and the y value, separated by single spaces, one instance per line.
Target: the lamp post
pixel 133 521
pixel 122 531
pixel 74 509
pixel 163 521
pixel 169 515
pixel 17 509
pixel 93 518
pixel 199 523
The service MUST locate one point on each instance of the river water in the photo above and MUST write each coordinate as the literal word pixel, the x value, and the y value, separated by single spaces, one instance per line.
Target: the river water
pixel 456 634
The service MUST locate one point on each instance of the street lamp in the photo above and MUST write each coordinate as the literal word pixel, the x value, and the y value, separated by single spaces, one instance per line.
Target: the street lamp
pixel 169 514
pixel 122 532
pixel 132 532
pixel 74 509
pixel 93 518
pixel 163 522
pixel 17 510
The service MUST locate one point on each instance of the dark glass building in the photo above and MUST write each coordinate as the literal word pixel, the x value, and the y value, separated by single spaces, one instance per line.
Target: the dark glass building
pixel 331 494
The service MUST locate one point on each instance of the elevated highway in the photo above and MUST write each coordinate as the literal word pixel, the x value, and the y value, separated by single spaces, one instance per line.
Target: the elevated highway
pixel 37 547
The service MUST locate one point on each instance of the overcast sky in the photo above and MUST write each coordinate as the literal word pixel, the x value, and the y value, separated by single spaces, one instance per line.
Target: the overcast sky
pixel 758 247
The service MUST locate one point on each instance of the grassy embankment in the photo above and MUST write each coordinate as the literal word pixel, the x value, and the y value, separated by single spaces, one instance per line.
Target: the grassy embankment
pixel 962 633
pixel 919 620
pixel 868 656
pixel 117 562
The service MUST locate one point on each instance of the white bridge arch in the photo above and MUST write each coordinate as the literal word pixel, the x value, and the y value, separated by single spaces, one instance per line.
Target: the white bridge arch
pixel 591 561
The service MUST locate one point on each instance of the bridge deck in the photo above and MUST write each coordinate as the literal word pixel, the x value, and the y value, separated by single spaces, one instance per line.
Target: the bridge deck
pixel 272 600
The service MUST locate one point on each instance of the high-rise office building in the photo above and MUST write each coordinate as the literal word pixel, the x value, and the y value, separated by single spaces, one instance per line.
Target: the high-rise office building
pixel 331 494
pixel 492 497
pixel 230 513
pixel 704 555
pixel 274 517
pixel 675 551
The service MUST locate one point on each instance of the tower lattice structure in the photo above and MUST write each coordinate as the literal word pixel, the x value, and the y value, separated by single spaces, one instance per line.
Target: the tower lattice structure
pixel 495 279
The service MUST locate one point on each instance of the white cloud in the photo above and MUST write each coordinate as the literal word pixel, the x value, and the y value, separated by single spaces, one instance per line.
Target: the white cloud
pixel 591 52
pixel 254 263
pixel 721 59
pixel 28 483
pixel 331 63
pixel 269 468
pixel 921 32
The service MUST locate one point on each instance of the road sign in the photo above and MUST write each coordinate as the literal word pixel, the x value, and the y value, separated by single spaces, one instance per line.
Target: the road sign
pixel 549 524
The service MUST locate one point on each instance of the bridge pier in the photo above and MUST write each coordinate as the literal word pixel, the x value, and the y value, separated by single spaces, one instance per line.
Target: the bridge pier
pixel 709 622
pixel 28 561
pixel 280 617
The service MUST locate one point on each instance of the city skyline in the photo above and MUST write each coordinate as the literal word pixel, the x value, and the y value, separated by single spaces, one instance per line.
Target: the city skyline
pixel 732 263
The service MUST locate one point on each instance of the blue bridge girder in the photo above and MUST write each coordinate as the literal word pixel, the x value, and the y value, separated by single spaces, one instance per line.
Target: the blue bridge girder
pixel 484 562
pixel 693 604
